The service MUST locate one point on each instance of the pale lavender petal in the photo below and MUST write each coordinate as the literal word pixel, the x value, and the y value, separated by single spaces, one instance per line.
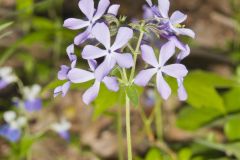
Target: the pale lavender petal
pixel 33 105
pixel 186 32
pixel 92 52
pixel 148 55
pixel 177 43
pixel 113 9
pixel 74 23
pixel 87 7
pixel 182 94
pixel 147 12
pixel 162 86
pixel 65 88
pixel 101 32
pixel 124 60
pixel 65 135
pixel 82 37
pixel 184 53
pixel 11 134
pixel 177 17
pixel 62 74
pixel 57 91
pixel 102 7
pixel 111 83
pixel 70 52
pixel 92 64
pixel 149 3
pixel 175 70
pixel 91 93
pixel 145 76
pixel 166 52
pixel 3 84
pixel 164 6
pixel 79 76
pixel 123 36
pixel 104 68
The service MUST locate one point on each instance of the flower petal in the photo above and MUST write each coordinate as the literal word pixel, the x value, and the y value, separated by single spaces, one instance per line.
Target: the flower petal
pixel 148 55
pixel 186 32
pixel 166 52
pixel 92 64
pixel 101 32
pixel 102 7
pixel 124 60
pixel 164 6
pixel 62 74
pixel 149 3
pixel 177 17
pixel 175 70
pixel 184 53
pixel 57 91
pixel 177 42
pixel 104 68
pixel 65 88
pixel 87 7
pixel 144 76
pixel 74 23
pixel 111 83
pixel 162 86
pixel 92 52
pixel 113 9
pixel 70 52
pixel 147 12
pixel 33 105
pixel 182 94
pixel 76 75
pixel 82 37
pixel 9 133
pixel 91 93
pixel 123 36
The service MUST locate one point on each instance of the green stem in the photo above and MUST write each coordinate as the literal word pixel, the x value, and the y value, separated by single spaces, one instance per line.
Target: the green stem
pixel 135 53
pixel 158 117
pixel 120 135
pixel 128 129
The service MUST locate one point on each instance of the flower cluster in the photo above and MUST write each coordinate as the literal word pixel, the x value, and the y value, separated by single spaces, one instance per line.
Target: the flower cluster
pixel 107 54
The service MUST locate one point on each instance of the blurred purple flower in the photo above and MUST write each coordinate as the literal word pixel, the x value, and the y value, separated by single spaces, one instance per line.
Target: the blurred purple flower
pixel 79 76
pixel 172 23
pixel 92 15
pixel 6 77
pixel 12 130
pixel 32 102
pixel 112 56
pixel 177 71
pixel 62 128
pixel 62 74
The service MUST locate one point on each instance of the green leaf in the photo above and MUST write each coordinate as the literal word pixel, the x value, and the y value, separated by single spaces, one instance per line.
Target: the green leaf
pixel 132 94
pixel 105 100
pixel 191 118
pixel 232 100
pixel 5 25
pixel 232 128
pixel 185 154
pixel 154 154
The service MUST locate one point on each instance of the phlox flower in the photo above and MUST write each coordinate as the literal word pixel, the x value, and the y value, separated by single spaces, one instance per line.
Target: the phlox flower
pixel 6 77
pixel 170 24
pixel 92 15
pixel 79 76
pixel 110 52
pixel 62 74
pixel 12 129
pixel 159 68
pixel 62 128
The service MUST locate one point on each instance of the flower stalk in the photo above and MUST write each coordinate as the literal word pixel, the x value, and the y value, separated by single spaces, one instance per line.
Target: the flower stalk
pixel 128 129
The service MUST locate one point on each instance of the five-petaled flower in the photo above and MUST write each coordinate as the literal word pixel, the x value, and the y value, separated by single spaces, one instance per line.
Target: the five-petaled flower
pixel 92 15
pixel 62 128
pixel 79 76
pixel 170 24
pixel 111 52
pixel 159 67
pixel 12 129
